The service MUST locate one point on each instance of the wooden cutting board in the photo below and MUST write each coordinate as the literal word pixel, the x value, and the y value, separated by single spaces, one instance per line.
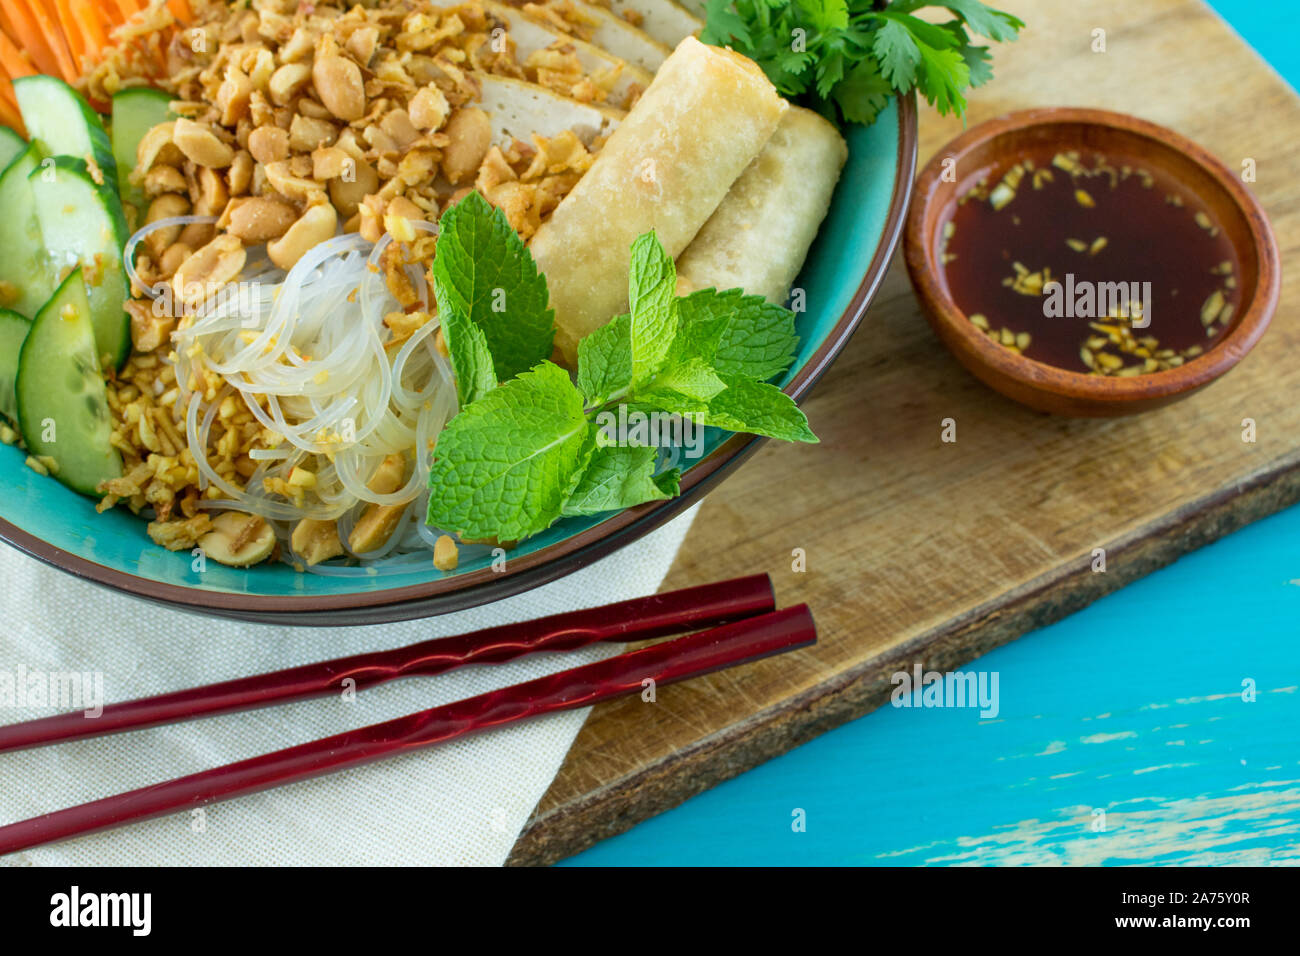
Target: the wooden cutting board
pixel 923 551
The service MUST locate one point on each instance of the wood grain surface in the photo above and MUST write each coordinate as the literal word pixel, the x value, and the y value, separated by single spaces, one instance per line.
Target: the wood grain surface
pixel 921 550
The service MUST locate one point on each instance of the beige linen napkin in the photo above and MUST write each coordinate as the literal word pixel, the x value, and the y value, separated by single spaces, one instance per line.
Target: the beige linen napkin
pixel 463 803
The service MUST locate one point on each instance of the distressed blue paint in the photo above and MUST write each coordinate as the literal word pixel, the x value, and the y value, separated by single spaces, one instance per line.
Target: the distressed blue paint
pixel 1150 677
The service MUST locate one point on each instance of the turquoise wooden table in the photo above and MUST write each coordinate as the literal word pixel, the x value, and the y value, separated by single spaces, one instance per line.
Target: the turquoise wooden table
pixel 1173 738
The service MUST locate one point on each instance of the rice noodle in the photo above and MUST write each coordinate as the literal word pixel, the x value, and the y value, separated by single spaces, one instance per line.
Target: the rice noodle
pixel 309 355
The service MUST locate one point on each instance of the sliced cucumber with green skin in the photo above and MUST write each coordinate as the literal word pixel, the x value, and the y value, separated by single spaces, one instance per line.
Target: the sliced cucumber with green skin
pixel 11 146
pixel 13 330
pixel 83 225
pixel 63 124
pixel 62 402
pixel 24 266
pixel 135 112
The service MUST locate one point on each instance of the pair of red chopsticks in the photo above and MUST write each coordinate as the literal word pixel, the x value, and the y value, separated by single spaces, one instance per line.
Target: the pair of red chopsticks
pixel 750 629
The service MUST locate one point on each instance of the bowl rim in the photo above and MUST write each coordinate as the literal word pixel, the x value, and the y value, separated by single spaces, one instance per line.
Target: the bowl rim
pixel 460 592
pixel 1045 379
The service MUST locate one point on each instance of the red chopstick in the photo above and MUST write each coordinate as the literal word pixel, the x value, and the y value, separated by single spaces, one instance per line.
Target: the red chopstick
pixel 655 616
pixel 692 656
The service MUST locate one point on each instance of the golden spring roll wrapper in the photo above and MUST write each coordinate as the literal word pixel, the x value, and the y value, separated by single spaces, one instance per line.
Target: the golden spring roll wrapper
pixel 761 233
pixel 703 120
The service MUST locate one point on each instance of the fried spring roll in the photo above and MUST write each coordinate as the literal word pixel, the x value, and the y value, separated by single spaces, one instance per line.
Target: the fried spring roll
pixel 706 116
pixel 760 235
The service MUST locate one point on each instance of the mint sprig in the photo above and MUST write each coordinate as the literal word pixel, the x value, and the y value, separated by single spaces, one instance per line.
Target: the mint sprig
pixel 505 466
pixel 620 477
pixel 537 446
pixel 847 58
pixel 491 298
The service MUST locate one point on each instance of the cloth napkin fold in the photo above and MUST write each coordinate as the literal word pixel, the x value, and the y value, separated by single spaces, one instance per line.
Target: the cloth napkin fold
pixel 463 803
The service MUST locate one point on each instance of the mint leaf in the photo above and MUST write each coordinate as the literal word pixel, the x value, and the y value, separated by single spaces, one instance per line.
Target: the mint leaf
pixel 737 334
pixel 693 378
pixel 505 465
pixel 759 409
pixel 605 361
pixel 484 272
pixel 670 403
pixel 652 286
pixel 470 358
pixel 621 477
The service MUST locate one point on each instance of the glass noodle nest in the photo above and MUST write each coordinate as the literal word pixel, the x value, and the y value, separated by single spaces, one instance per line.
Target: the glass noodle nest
pixel 310 355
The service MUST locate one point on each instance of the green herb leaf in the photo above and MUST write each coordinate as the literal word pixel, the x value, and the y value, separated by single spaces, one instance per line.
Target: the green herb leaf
pixel 470 359
pixel 485 274
pixel 737 334
pixel 652 284
pixel 863 93
pixel 759 409
pixel 897 54
pixel 693 378
pixel 605 361
pixel 846 58
pixel 826 15
pixel 521 454
pixel 724 25
pixel 621 477
pixel 506 464
pixel 997 25
pixel 979 61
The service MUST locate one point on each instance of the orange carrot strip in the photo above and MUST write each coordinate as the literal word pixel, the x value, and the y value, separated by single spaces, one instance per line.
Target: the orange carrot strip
pixel 58 45
pixel 13 61
pixel 28 36
pixel 180 10
pixel 9 114
pixel 71 31
pixel 89 19
pixel 126 10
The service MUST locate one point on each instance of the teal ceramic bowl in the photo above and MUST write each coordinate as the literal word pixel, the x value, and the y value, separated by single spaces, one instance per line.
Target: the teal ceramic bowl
pixel 844 270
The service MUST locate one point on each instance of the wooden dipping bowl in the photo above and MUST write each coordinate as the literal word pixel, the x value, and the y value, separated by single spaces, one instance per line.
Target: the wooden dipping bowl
pixel 991 145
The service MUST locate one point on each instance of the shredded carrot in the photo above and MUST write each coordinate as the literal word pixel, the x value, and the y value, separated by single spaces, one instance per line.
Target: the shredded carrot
pixel 110 14
pixel 94 28
pixel 180 10
pixel 9 114
pixel 12 59
pixel 67 67
pixel 126 9
pixel 71 32
pixel 27 34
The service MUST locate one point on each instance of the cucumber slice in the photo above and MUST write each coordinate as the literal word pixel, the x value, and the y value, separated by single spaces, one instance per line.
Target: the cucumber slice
pixel 135 112
pixel 11 146
pixel 13 330
pixel 82 224
pixel 63 123
pixel 62 402
pixel 24 267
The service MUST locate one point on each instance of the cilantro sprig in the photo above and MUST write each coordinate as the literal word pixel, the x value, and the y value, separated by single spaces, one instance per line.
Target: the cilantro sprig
pixel 530 444
pixel 846 58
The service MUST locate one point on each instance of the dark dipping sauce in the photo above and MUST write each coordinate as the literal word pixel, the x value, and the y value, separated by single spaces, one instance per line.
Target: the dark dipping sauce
pixel 1102 219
